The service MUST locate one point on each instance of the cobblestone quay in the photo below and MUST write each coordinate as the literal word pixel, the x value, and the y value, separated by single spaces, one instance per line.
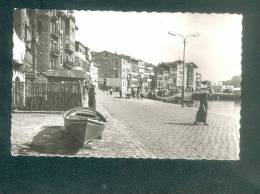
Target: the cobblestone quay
pixel 135 128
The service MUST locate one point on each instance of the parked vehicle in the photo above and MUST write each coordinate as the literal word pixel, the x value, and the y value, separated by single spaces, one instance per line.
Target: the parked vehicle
pixel 84 124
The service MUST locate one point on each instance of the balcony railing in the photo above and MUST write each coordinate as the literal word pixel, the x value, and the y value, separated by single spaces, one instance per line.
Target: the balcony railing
pixel 54 18
pixel 68 64
pixel 55 53
pixel 55 35
pixel 69 47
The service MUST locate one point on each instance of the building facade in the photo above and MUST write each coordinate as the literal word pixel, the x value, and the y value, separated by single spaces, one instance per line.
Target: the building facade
pixel 131 72
pixel 169 76
pixel 81 58
pixel 26 29
pixel 162 75
pixel 146 74
pixel 191 76
pixel 112 71
pixel 56 47
pixel 198 80
pixel 50 41
pixel 94 74
pixel 123 72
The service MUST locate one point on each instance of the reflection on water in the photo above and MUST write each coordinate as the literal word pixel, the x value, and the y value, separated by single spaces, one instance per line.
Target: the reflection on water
pixel 222 107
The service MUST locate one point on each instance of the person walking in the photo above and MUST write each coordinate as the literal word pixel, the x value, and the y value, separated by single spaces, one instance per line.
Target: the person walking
pixel 138 93
pixel 142 95
pixel 201 115
pixel 120 93
pixel 85 93
pixel 92 97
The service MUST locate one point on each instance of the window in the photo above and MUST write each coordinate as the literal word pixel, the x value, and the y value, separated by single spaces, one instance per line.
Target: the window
pixel 53 25
pixel 27 37
pixel 76 61
pixel 52 45
pixel 25 33
pixel 61 58
pixel 50 63
pixel 39 26
pixel 55 45
pixel 53 63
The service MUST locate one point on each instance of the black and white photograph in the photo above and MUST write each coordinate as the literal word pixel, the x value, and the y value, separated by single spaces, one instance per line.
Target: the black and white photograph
pixel 114 84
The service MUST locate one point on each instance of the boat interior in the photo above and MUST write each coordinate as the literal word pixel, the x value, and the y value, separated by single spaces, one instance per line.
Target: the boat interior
pixel 84 114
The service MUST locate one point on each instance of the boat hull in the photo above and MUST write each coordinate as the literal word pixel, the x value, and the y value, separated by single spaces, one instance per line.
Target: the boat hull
pixel 84 128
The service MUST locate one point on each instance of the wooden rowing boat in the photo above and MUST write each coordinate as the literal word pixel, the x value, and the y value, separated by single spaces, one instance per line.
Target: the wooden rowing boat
pixel 85 124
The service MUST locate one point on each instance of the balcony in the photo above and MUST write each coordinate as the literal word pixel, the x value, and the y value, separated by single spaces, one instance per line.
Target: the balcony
pixel 68 64
pixel 61 13
pixel 54 18
pixel 55 35
pixel 55 53
pixel 69 47
pixel 28 46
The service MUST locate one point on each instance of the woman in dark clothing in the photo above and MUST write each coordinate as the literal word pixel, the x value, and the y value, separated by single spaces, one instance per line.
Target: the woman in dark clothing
pixel 120 93
pixel 91 97
pixel 201 115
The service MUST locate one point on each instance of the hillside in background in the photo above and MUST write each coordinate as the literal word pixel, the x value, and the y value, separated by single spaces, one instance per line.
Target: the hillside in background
pixel 234 81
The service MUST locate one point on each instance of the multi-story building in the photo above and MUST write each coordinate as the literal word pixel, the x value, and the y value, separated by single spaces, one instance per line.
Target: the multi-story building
pixel 18 59
pixel 24 53
pixel 69 28
pixel 149 75
pixel 198 80
pixel 56 48
pixel 191 76
pixel 94 73
pixel 162 74
pixel 146 72
pixel 113 70
pixel 169 75
pixel 50 41
pixel 26 30
pixel 217 87
pixel 177 70
pixel 133 75
pixel 131 68
pixel 81 58
pixel 18 90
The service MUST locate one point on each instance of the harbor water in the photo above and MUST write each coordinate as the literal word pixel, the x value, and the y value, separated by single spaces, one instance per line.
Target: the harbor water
pixel 222 107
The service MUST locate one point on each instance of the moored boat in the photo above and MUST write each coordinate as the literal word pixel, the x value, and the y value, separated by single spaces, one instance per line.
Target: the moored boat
pixel 85 124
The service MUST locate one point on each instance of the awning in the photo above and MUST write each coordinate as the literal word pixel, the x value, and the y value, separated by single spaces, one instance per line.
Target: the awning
pixel 18 49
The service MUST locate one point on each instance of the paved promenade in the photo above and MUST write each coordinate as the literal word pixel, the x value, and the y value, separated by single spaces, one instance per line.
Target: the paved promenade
pixel 135 128
pixel 167 130
pixel 37 134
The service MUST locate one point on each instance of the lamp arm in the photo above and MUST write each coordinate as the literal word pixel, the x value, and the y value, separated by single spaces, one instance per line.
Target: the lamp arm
pixel 174 34
pixel 193 35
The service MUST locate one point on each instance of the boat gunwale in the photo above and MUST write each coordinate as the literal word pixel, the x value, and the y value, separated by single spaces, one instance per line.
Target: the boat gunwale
pixel 100 116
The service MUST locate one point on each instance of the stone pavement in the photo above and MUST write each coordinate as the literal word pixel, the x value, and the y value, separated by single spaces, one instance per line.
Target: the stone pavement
pixel 167 130
pixel 136 128
pixel 38 134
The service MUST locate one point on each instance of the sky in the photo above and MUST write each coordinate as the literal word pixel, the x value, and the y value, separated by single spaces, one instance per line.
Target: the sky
pixel 142 35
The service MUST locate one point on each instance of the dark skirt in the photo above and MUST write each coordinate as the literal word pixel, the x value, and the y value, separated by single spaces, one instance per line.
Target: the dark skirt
pixel 92 103
pixel 201 115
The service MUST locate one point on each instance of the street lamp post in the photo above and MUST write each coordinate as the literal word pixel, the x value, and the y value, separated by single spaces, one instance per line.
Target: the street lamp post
pixel 183 67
